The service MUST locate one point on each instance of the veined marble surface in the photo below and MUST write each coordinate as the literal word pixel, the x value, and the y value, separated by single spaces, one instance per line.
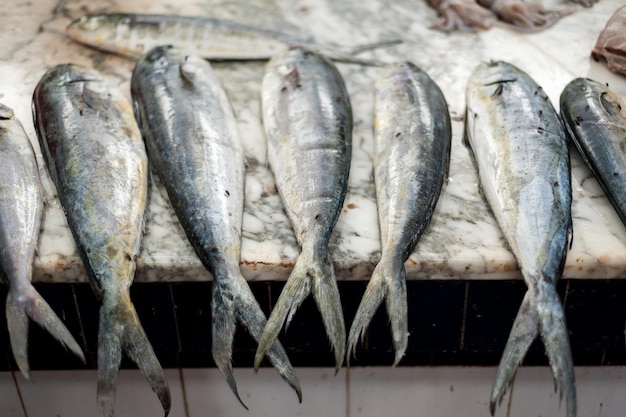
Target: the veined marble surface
pixel 463 240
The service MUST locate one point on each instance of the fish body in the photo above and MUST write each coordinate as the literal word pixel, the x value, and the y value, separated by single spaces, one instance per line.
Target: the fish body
pixel 308 124
pixel 21 209
pixel 595 118
pixel 192 138
pixel 97 160
pixel 412 135
pixel 520 148
pixel 132 35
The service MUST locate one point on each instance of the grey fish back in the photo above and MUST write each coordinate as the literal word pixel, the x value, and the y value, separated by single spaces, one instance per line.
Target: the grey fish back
pixel 595 118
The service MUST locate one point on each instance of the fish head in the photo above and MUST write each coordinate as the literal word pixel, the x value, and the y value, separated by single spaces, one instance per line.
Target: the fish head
pixel 101 31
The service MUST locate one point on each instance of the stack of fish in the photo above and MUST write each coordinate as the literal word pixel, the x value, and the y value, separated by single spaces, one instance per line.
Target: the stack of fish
pixel 97 159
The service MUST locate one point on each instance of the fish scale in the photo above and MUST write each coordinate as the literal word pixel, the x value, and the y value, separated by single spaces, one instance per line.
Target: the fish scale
pixel 520 149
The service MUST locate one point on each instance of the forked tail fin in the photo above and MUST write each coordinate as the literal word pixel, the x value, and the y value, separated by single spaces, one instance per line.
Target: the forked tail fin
pixel 120 331
pixel 388 282
pixel 233 302
pixel 540 312
pixel 19 308
pixel 312 272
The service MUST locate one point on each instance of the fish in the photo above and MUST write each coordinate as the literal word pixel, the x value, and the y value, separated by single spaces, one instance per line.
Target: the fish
pixel 21 211
pixel 133 35
pixel 412 135
pixel 307 119
pixel 520 148
pixel 595 119
pixel 193 143
pixel 610 46
pixel 97 160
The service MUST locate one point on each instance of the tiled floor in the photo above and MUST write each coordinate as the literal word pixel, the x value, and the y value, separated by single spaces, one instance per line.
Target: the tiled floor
pixel 359 392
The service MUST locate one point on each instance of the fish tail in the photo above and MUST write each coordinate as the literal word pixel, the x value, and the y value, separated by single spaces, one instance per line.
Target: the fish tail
pixel 312 272
pixel 388 281
pixel 120 330
pixel 31 304
pixel 523 333
pixel 541 312
pixel 247 310
pixel 555 337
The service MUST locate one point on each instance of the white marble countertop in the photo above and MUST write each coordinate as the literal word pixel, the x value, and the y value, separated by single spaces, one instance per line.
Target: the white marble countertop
pixel 463 240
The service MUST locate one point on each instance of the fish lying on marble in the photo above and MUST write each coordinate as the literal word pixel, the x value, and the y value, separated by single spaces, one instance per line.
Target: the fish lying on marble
pixel 21 210
pixel 193 142
pixel 97 160
pixel 595 118
pixel 412 135
pixel 519 15
pixel 132 35
pixel 308 124
pixel 611 44
pixel 520 148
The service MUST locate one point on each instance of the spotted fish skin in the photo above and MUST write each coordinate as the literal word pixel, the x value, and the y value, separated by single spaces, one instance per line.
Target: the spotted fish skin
pixel 412 135
pixel 520 148
pixel 193 141
pixel 21 210
pixel 97 160
pixel 595 118
pixel 308 124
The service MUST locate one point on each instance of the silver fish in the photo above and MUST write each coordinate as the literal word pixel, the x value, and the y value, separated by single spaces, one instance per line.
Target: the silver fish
pixel 595 118
pixel 132 35
pixel 520 148
pixel 412 134
pixel 21 209
pixel 308 123
pixel 192 138
pixel 97 160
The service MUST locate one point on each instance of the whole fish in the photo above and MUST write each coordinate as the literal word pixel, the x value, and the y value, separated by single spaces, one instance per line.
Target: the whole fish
pixel 21 209
pixel 520 148
pixel 308 123
pixel 193 142
pixel 595 118
pixel 97 160
pixel 412 135
pixel 132 35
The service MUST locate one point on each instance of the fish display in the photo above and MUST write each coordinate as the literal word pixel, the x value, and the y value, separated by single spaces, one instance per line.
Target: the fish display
pixel 97 160
pixel 595 118
pixel 307 118
pixel 192 138
pixel 21 210
pixel 520 148
pixel 611 44
pixel 412 135
pixel 519 15
pixel 132 35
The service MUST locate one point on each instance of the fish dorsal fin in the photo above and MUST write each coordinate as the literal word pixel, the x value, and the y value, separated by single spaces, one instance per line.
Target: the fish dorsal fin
pixel 6 112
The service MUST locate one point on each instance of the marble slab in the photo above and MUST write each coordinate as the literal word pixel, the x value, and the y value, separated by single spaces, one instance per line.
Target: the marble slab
pixel 463 240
